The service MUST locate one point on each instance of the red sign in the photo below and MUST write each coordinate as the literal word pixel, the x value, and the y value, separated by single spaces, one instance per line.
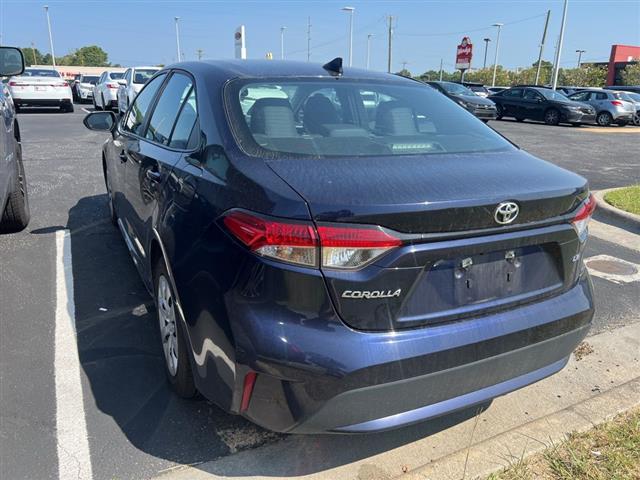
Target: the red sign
pixel 464 54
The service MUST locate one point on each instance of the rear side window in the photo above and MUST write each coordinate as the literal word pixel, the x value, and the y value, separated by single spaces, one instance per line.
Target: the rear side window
pixel 600 96
pixel 580 96
pixel 183 136
pixel 134 120
pixel 512 93
pixel 169 105
pixel 532 95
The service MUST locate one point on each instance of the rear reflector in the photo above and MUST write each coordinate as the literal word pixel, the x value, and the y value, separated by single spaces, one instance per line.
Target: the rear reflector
pixel 247 390
pixel 341 247
pixel 581 220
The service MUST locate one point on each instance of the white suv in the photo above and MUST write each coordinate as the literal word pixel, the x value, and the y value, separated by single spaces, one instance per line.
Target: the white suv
pixel 135 79
pixel 105 91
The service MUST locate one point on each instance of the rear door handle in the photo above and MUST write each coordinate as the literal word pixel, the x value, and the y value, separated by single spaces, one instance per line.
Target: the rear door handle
pixel 123 156
pixel 153 175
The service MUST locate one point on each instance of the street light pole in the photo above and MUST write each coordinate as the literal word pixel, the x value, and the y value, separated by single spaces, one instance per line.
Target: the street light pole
pixel 544 37
pixel 53 55
pixel 556 70
pixel 178 38
pixel 282 29
pixel 369 49
pixel 350 10
pixel 580 52
pixel 486 47
pixel 495 58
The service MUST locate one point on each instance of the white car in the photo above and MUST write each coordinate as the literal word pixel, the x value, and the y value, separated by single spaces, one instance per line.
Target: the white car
pixel 135 79
pixel 105 91
pixel 84 87
pixel 41 87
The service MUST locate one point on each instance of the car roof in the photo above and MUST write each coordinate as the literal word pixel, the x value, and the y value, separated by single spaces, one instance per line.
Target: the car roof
pixel 229 69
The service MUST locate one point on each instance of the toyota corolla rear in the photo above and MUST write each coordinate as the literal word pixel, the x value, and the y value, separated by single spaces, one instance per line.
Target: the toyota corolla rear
pixel 436 266
pixel 40 88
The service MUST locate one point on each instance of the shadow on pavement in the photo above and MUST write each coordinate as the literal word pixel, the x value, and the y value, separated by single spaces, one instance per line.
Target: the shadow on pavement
pixel 121 356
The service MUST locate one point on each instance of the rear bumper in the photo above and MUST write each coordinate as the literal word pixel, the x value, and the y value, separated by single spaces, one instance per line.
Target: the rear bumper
pixel 41 102
pixel 334 379
pixel 485 114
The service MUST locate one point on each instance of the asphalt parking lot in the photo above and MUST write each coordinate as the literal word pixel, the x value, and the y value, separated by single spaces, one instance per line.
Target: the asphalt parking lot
pixel 136 427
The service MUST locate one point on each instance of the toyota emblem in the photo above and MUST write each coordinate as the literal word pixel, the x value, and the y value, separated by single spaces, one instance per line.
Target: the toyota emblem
pixel 506 212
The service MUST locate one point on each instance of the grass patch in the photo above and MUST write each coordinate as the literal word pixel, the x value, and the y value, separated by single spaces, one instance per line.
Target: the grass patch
pixel 627 199
pixel 609 451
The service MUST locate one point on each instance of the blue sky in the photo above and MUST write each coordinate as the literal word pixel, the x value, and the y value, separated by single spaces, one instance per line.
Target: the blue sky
pixel 142 32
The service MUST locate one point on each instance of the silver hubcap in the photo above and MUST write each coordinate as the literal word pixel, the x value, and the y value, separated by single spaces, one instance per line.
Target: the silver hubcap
pixel 168 327
pixel 603 119
pixel 551 116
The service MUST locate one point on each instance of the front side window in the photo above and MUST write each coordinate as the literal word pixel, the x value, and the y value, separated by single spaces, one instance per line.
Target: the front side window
pixel 135 118
pixel 512 93
pixel 116 75
pixel 580 96
pixel 334 118
pixel 183 135
pixel 531 95
pixel 169 105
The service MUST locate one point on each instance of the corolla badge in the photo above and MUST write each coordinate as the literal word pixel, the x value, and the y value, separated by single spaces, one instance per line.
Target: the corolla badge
pixel 369 294
pixel 506 212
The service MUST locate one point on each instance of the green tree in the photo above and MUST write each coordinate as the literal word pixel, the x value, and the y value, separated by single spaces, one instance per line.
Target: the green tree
pixel 584 76
pixel 631 73
pixel 404 72
pixel 90 56
pixel 33 56
pixel 485 76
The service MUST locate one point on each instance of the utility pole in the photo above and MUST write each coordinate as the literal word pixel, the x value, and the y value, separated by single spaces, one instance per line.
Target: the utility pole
pixel 389 52
pixel 308 39
pixel 580 52
pixel 440 69
pixel 53 55
pixel 369 49
pixel 282 29
pixel 199 52
pixel 486 47
pixel 544 36
pixel 33 51
pixel 178 38
pixel 350 10
pixel 557 68
pixel 404 64
pixel 495 59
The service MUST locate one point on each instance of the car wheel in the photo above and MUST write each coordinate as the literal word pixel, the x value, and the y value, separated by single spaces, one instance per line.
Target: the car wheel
pixel 112 210
pixel 520 119
pixel 622 123
pixel 95 105
pixel 17 108
pixel 485 120
pixel 174 347
pixel 499 111
pixel 16 213
pixel 67 108
pixel 552 117
pixel 604 119
pixel 636 119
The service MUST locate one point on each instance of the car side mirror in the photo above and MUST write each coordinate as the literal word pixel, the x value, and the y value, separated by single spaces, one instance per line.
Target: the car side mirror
pixel 11 61
pixel 100 121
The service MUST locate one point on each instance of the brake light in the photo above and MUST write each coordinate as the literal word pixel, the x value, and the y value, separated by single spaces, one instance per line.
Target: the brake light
pixel 616 103
pixel 331 246
pixel 18 84
pixel 61 84
pixel 292 242
pixel 112 85
pixel 581 220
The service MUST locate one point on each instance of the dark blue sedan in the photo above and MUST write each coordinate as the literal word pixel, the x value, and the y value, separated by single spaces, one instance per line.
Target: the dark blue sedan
pixel 342 251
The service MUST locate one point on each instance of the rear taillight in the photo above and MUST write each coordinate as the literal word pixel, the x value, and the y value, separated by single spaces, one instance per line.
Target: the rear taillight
pixel 330 246
pixel 292 242
pixel 353 247
pixel 18 84
pixel 581 220
pixel 112 85
pixel 61 84
pixel 616 103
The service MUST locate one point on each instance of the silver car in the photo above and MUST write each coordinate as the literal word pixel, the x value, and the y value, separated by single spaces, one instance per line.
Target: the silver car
pixel 611 106
pixel 635 99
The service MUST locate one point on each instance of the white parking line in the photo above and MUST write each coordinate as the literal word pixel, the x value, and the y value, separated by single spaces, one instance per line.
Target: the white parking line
pixel 74 460
pixel 85 110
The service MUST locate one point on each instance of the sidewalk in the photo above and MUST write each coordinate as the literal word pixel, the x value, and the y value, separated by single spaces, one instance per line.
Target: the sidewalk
pixel 588 391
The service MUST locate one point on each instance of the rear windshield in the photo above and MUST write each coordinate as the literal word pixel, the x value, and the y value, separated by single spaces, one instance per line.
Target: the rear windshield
pixel 333 118
pixel 142 76
pixel 40 72
pixel 91 80
pixel 478 88
pixel 116 75
pixel 456 88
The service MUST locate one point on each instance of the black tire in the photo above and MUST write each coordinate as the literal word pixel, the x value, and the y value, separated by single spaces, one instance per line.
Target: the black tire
pixel 67 108
pixel 552 117
pixel 182 380
pixel 520 119
pixel 95 105
pixel 499 111
pixel 576 124
pixel 636 119
pixel 604 119
pixel 17 108
pixel 112 211
pixel 484 120
pixel 16 215
pixel 622 123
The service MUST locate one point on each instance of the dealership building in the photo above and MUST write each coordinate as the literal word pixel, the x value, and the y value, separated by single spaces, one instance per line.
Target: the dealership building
pixel 621 56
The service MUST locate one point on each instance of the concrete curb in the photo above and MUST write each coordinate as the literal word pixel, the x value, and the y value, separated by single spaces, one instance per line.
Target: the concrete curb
pixel 613 211
pixel 587 392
